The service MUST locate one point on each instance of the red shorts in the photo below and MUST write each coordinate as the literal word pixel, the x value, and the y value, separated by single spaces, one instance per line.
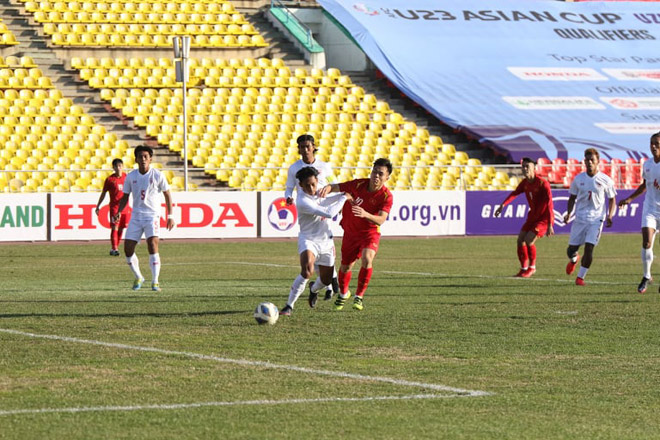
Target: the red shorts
pixel 352 246
pixel 540 227
pixel 123 219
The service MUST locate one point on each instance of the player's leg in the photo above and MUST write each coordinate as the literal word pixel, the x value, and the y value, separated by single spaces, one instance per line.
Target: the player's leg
pixel 573 258
pixel 350 252
pixel 325 265
pixel 591 238
pixel 648 235
pixel 577 237
pixel 152 232
pixel 364 276
pixel 133 236
pixel 114 242
pixel 307 259
pixel 523 255
pixel 530 241
pixel 123 223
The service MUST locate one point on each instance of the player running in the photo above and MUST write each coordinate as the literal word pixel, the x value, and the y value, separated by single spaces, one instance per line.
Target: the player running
pixel 145 184
pixel 587 194
pixel 307 150
pixel 651 210
pixel 361 220
pixel 114 185
pixel 540 218
pixel 315 243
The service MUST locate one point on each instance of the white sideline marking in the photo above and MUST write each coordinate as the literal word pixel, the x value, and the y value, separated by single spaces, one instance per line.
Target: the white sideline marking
pixel 244 362
pixel 211 404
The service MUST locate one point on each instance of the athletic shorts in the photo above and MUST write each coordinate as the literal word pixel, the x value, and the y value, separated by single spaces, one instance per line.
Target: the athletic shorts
pixel 124 219
pixel 540 227
pixel 585 232
pixel 323 250
pixel 650 220
pixel 136 228
pixel 352 246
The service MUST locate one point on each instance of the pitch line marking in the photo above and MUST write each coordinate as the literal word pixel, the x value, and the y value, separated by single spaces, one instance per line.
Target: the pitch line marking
pixel 244 362
pixel 175 406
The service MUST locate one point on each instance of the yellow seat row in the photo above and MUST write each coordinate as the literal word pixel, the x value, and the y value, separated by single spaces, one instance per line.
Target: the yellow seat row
pixel 157 40
pixel 130 6
pixel 142 29
pixel 138 17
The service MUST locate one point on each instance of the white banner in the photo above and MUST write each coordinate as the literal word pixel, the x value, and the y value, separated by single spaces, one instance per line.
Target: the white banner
pixel 197 214
pixel 23 217
pixel 423 213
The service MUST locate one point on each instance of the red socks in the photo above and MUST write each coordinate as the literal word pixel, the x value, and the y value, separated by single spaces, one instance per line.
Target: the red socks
pixel 344 278
pixel 114 238
pixel 523 257
pixel 363 281
pixel 532 255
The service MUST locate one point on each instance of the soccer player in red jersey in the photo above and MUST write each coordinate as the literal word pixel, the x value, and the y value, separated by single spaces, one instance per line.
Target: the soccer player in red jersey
pixel 540 218
pixel 114 185
pixel 361 221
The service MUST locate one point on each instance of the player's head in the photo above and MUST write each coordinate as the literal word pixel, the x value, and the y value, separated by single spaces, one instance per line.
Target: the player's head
pixel 117 165
pixel 143 155
pixel 380 172
pixel 306 147
pixel 591 159
pixel 528 167
pixel 655 146
pixel 308 179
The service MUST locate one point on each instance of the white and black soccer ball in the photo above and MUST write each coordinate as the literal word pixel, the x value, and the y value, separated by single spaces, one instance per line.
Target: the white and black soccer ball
pixel 266 313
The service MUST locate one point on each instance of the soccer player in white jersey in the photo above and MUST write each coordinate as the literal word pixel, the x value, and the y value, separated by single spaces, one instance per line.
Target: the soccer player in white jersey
pixel 315 244
pixel 651 210
pixel 146 185
pixel 307 150
pixel 587 194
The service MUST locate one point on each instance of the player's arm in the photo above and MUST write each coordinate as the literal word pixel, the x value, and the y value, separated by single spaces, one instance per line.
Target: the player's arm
pixel 639 191
pixel 569 208
pixel 377 219
pixel 551 209
pixel 122 204
pixel 168 204
pixel 290 184
pixel 98 204
pixel 329 188
pixel 306 206
pixel 610 211
pixel 509 199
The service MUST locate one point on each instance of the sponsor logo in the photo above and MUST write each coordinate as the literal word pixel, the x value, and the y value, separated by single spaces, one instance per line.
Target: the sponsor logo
pixel 361 7
pixel 556 74
pixel 628 127
pixel 627 103
pixel 282 216
pixel 553 102
pixel 634 74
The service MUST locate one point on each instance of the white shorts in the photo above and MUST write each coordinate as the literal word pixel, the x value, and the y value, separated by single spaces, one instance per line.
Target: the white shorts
pixel 150 228
pixel 585 232
pixel 323 250
pixel 650 220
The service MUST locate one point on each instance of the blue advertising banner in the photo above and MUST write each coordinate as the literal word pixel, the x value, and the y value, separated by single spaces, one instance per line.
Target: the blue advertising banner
pixel 528 77
pixel 480 220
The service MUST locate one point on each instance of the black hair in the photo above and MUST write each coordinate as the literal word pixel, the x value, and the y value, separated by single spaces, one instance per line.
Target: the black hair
pixel 527 160
pixel 141 148
pixel 305 173
pixel 655 135
pixel 305 137
pixel 117 161
pixel 383 162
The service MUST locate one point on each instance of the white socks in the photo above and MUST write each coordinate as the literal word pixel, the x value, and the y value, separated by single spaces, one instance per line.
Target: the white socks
pixel 318 285
pixel 582 272
pixel 154 263
pixel 647 260
pixel 297 288
pixel 134 264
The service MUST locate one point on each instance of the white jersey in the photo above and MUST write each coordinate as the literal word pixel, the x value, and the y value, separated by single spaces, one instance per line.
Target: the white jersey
pixel 591 193
pixel 313 212
pixel 146 190
pixel 325 175
pixel 651 174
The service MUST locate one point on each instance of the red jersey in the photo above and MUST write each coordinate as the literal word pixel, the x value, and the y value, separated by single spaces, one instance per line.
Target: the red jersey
pixel 115 187
pixel 372 202
pixel 539 198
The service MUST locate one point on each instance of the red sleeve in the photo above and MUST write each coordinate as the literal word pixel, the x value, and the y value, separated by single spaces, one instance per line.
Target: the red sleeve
pixel 519 189
pixel 107 186
pixel 387 205
pixel 551 208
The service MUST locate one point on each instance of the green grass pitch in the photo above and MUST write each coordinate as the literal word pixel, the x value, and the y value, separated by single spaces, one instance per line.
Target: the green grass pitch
pixel 449 345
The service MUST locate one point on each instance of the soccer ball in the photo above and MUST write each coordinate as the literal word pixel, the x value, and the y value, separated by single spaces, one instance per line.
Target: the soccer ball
pixel 266 313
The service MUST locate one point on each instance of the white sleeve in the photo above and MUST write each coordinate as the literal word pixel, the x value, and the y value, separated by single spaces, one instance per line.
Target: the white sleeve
pixel 127 185
pixel 290 183
pixel 306 206
pixel 163 185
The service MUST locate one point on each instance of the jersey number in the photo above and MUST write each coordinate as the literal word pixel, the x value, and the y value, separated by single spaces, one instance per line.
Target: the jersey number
pixel 143 193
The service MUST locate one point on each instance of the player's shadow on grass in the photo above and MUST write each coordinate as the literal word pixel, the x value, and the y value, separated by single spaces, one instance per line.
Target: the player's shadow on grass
pixel 121 315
